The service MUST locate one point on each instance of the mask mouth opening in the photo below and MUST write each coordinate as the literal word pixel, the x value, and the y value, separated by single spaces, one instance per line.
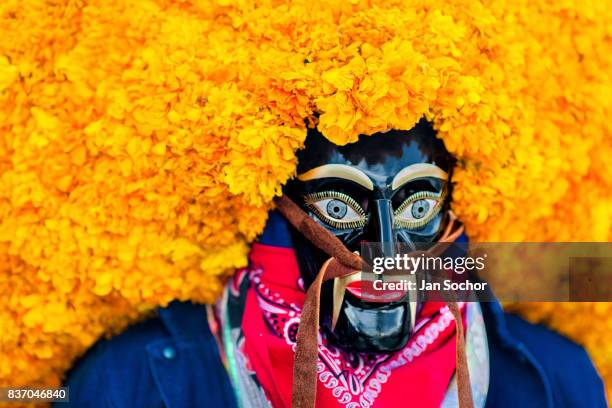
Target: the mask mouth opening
pixel 367 294
pixel 367 291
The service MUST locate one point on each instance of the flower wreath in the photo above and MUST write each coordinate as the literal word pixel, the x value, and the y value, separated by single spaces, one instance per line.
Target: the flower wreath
pixel 142 142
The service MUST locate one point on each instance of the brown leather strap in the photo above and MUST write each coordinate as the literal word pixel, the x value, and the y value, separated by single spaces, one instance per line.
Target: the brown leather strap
pixel 343 262
pixel 315 233
pixel 306 349
pixel 464 389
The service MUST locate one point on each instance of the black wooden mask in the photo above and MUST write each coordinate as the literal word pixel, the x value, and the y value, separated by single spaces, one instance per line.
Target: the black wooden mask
pixel 387 188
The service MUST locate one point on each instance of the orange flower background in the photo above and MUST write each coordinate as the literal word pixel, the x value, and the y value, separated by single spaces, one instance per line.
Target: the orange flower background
pixel 141 142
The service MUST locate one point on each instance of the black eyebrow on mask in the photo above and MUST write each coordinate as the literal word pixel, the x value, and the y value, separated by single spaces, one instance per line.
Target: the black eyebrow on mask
pixel 338 171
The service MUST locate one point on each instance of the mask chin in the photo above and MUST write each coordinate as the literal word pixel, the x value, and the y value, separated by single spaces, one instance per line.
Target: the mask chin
pixel 370 327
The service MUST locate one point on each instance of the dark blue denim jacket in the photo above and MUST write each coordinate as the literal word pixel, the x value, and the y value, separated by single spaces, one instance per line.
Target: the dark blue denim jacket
pixel 173 361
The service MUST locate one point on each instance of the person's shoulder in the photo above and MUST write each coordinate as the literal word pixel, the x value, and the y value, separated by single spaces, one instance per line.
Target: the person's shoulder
pixel 571 373
pixel 115 367
pixel 550 348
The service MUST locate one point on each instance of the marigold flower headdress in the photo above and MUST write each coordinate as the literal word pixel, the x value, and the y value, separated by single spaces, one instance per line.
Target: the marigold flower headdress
pixel 142 142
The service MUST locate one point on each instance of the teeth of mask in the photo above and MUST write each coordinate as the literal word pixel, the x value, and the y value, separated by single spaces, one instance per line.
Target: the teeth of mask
pixel 413 308
pixel 340 285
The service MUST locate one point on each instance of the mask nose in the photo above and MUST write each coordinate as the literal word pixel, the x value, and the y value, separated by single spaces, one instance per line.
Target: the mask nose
pixel 382 219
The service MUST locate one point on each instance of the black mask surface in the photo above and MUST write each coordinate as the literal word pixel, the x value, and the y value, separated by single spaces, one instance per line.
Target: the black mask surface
pixel 387 188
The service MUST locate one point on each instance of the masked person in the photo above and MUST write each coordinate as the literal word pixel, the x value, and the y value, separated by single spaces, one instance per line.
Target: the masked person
pixel 393 189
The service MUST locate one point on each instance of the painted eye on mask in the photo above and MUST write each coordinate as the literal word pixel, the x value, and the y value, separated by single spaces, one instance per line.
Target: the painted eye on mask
pixel 418 209
pixel 336 209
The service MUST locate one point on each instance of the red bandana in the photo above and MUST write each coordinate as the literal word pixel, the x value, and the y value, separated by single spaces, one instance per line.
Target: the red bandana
pixel 417 375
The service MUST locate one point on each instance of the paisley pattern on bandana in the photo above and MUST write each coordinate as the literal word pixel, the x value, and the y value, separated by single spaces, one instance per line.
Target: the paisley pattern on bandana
pixel 354 379
pixel 261 309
